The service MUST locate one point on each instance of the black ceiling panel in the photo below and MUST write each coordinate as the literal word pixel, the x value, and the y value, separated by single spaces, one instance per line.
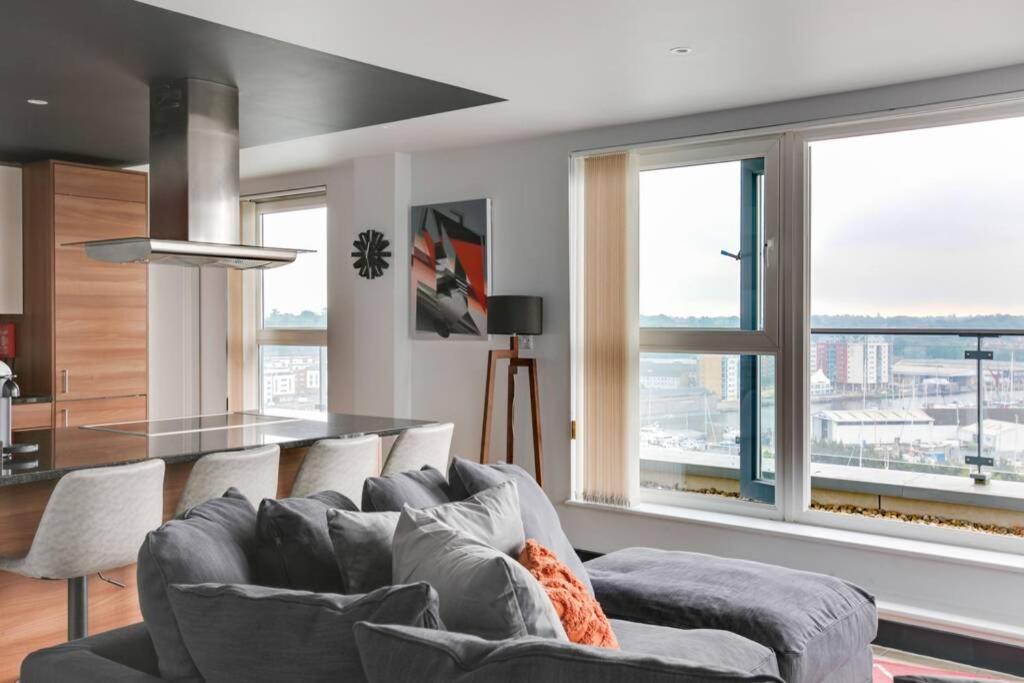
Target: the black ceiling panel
pixel 93 60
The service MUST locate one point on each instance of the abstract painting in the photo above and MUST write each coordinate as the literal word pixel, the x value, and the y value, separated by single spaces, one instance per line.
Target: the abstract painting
pixel 450 269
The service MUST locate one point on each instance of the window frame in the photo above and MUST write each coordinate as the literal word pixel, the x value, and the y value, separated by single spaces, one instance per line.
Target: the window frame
pixel 745 343
pixel 279 336
pixel 798 325
pixel 791 346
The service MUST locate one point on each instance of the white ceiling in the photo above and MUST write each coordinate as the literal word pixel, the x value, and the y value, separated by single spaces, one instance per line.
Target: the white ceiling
pixel 573 64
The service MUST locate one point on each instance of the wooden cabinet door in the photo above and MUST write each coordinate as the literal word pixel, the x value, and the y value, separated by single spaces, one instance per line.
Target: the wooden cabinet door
pixel 100 411
pixel 31 416
pixel 100 309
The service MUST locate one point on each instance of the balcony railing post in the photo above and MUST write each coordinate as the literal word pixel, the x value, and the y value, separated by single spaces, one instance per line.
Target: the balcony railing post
pixel 978 356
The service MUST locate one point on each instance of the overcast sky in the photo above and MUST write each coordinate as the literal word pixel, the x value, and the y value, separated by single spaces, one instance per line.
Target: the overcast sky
pixel 301 286
pixel 925 222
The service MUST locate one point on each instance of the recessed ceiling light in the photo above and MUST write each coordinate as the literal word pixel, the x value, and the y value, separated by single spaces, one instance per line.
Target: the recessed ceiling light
pixel 681 50
pixel 37 102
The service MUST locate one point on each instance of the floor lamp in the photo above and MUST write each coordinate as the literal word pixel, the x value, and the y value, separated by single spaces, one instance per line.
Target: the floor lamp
pixel 514 316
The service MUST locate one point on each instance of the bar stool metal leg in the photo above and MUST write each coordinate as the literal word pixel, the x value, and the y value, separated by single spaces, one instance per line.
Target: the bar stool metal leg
pixel 78 607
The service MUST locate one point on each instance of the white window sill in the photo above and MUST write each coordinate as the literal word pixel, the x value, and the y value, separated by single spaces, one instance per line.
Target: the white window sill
pixel 939 552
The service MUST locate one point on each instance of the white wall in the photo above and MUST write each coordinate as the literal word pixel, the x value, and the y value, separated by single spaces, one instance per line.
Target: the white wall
pixel 10 240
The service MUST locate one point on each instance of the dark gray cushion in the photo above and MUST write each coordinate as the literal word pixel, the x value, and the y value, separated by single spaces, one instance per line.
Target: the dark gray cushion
pixel 815 623
pixel 295 548
pixel 482 591
pixel 362 547
pixel 215 541
pixel 395 654
pixel 540 520
pixel 418 489
pixel 255 633
pixel 706 647
pixel 123 655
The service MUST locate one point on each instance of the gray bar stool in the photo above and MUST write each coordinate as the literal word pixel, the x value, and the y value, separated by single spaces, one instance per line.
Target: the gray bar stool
pixel 252 471
pixel 94 521
pixel 340 465
pixel 421 446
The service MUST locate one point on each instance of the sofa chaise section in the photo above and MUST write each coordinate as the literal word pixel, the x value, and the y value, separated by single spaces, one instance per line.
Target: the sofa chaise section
pixel 820 627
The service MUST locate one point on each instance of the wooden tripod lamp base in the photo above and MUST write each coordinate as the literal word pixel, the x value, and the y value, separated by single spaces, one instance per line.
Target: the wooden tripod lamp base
pixel 513 315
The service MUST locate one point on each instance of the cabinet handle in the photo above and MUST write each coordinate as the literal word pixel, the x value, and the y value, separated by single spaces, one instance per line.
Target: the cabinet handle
pixel 67 416
pixel 65 381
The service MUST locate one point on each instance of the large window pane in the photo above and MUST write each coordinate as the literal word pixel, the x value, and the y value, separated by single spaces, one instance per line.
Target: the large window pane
pixel 701 236
pixel 919 228
pixel 293 378
pixel 698 414
pixel 918 232
pixel 296 295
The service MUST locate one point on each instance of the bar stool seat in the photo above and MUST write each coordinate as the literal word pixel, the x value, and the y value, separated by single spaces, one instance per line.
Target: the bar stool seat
pixel 252 471
pixel 340 465
pixel 95 520
pixel 421 446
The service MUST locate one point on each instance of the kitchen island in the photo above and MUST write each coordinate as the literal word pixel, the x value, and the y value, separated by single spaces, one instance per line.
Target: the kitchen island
pixel 33 612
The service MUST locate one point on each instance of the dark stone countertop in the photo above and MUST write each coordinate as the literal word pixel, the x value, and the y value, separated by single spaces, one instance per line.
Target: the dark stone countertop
pixel 65 449
pixel 32 399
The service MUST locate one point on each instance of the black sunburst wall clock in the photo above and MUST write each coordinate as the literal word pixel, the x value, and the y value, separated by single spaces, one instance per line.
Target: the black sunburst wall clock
pixel 371 254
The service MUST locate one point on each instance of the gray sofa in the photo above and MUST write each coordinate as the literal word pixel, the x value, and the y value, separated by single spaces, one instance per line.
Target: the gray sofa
pixel 678 616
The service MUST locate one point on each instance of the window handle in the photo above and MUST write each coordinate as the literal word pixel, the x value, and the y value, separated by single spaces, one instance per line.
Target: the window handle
pixel 738 255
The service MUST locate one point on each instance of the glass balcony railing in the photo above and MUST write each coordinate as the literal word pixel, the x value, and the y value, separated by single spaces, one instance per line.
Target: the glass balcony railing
pixel 940 402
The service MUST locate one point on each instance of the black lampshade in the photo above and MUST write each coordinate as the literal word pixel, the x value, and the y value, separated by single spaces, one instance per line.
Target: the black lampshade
pixel 515 315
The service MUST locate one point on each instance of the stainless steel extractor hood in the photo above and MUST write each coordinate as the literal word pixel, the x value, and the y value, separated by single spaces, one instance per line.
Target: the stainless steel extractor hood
pixel 193 184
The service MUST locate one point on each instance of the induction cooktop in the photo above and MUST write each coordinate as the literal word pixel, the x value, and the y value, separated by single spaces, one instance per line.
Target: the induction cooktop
pixel 189 425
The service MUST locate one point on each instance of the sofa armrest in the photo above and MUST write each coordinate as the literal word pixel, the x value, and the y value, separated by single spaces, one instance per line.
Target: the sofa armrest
pixel 124 655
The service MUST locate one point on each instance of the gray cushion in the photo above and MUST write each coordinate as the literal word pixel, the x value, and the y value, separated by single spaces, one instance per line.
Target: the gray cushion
pixel 482 591
pixel 255 633
pixel 214 541
pixel 123 655
pixel 420 489
pixel 295 548
pixel 815 623
pixel 705 647
pixel 540 520
pixel 362 547
pixel 362 540
pixel 395 654
pixel 490 517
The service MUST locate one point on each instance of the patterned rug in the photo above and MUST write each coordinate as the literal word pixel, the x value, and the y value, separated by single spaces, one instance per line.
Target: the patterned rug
pixel 887 669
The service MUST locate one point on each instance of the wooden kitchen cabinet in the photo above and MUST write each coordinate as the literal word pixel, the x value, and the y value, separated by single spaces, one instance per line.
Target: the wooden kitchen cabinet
pixel 84 331
pixel 100 308
pixel 31 416
pixel 94 411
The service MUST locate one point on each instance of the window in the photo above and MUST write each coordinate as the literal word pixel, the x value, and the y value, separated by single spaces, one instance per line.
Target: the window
pixel 884 391
pixel 706 394
pixel 706 323
pixel 917 322
pixel 291 333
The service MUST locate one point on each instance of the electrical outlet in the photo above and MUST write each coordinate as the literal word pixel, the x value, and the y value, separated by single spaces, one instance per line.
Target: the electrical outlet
pixel 526 342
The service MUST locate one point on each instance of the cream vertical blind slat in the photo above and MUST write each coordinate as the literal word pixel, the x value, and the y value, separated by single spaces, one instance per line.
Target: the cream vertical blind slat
pixel 610 329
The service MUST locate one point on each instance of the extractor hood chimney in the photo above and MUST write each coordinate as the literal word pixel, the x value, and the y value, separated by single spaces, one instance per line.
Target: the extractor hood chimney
pixel 193 184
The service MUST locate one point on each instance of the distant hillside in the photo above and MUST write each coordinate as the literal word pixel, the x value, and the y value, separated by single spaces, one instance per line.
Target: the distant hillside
pixel 974 322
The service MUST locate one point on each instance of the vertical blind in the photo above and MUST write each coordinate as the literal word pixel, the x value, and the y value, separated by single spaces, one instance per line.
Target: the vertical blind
pixel 610 329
